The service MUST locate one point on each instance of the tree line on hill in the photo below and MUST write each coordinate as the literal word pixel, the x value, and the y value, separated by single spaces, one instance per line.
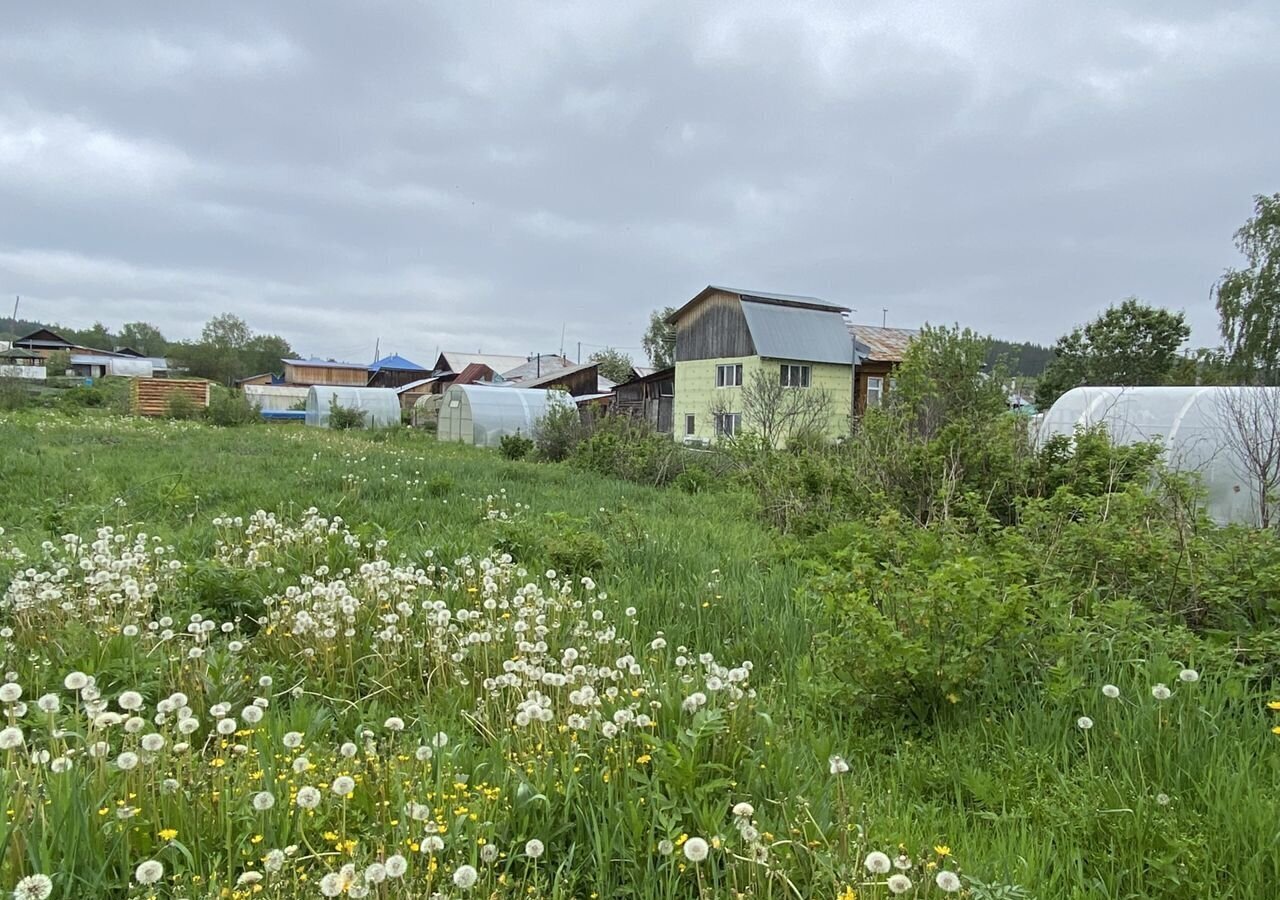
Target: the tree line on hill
pixel 226 351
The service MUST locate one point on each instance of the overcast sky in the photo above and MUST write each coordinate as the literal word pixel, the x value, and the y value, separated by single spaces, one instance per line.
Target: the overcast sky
pixel 481 176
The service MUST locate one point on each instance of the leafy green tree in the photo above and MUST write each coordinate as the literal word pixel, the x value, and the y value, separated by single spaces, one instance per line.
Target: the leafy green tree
pixel 659 339
pixel 1248 299
pixel 614 364
pixel 226 332
pixel 99 337
pixel 944 378
pixel 1129 344
pixel 143 337
pixel 263 353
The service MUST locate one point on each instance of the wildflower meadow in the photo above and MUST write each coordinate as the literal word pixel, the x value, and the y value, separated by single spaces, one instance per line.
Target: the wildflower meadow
pixel 280 662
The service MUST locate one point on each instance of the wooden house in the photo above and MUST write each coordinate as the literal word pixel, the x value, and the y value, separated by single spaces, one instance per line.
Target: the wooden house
pixel 880 351
pixel 395 372
pixel 307 372
pixel 650 397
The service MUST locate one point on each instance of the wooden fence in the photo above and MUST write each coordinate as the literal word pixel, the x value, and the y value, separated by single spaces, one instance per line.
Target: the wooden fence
pixel 151 396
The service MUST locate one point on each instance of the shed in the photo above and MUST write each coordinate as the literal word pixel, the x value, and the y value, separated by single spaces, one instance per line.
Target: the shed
pixel 94 365
pixel 381 406
pixel 481 414
pixel 648 397
pixel 1197 427
pixel 153 396
pixel 15 363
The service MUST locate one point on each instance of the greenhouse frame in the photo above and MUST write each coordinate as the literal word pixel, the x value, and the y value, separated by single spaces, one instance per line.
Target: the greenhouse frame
pixel 380 405
pixel 1208 431
pixel 482 414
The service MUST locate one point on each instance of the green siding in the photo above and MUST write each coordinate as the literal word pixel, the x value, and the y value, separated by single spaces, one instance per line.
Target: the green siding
pixel 697 394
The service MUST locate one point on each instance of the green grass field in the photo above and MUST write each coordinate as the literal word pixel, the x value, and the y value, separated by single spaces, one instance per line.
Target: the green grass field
pixel 519 679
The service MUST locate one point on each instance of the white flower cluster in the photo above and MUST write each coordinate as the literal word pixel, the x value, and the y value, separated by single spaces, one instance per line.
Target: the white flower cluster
pixel 109 582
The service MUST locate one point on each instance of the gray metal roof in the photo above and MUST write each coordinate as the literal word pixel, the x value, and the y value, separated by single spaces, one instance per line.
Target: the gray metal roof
pixel 781 298
pixel 807 335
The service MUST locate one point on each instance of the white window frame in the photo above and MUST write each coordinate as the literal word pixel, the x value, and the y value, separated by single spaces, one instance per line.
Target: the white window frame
pixel 728 375
pixel 795 375
pixel 690 425
pixel 875 387
pixel 728 424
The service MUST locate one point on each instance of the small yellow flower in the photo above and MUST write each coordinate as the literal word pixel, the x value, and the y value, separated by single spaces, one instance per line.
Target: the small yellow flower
pixel 168 834
pixel 952 698
pixel 1274 704
pixel 1276 730
pixel 847 893
pixel 643 758
pixel 942 850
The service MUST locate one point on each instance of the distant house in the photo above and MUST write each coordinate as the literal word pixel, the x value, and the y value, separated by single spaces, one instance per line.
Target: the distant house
pixel 308 372
pixel 725 337
pixel 649 396
pixel 880 352
pixel 46 342
pixel 394 371
pixel 535 367
pixel 453 362
pixel 472 373
pixel 578 381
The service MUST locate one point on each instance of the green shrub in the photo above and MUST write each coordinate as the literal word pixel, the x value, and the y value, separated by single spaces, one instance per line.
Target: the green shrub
pixel 80 397
pixel 343 418
pixel 231 409
pixel 515 446
pixel 558 433
pixel 180 406
pixel 440 486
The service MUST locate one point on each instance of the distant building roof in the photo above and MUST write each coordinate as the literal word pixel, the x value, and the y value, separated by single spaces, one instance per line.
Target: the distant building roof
pixel 537 367
pixel 323 364
pixel 396 361
pixel 453 361
pixel 641 371
pixel 473 373
pixel 416 384
pixel 16 353
pixel 884 344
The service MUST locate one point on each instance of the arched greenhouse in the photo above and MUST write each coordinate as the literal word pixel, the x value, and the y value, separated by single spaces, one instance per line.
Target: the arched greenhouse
pixel 381 406
pixel 481 414
pixel 1219 433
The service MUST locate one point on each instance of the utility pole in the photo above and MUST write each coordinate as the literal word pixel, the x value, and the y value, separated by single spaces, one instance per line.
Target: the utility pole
pixel 16 299
pixel 563 326
pixel 884 316
pixel 579 352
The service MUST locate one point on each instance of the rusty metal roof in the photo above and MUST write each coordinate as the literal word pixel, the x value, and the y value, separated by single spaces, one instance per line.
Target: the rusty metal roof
pixel 886 344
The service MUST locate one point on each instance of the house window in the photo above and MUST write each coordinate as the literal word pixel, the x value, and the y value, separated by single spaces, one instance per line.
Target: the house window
pixel 795 376
pixel 875 390
pixel 689 428
pixel 729 375
pixel 728 424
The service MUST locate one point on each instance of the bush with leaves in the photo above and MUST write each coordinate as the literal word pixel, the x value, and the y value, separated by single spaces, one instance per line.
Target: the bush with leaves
pixel 515 446
pixel 230 409
pixel 181 406
pixel 558 433
pixel 344 418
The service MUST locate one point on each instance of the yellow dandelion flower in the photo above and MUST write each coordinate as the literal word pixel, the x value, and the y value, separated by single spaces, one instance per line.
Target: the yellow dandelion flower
pixel 167 834
pixel 942 850
pixel 1274 704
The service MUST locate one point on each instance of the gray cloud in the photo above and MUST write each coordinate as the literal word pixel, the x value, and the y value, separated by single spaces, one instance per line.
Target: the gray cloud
pixel 485 175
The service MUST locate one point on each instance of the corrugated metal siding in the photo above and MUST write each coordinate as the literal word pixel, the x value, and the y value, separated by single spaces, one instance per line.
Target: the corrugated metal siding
pixel 808 335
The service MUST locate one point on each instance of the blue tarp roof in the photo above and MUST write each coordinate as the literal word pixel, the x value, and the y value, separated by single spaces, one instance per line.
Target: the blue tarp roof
pixel 396 361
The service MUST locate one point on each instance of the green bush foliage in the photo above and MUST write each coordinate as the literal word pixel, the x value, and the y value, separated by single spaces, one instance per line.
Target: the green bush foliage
pixel 343 418
pixel 558 433
pixel 230 409
pixel 181 407
pixel 13 394
pixel 515 446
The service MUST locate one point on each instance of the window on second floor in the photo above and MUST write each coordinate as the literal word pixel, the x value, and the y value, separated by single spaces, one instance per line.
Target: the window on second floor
pixel 729 375
pixel 794 375
pixel 875 390
pixel 728 424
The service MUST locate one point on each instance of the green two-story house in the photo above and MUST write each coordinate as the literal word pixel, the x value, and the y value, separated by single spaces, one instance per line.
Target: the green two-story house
pixel 725 336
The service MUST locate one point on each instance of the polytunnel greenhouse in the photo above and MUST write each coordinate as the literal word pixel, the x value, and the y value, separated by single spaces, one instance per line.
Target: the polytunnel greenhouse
pixel 481 414
pixel 1207 431
pixel 381 406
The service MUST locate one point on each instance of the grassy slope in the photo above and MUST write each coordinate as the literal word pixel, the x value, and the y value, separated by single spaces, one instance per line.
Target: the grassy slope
pixel 1018 797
